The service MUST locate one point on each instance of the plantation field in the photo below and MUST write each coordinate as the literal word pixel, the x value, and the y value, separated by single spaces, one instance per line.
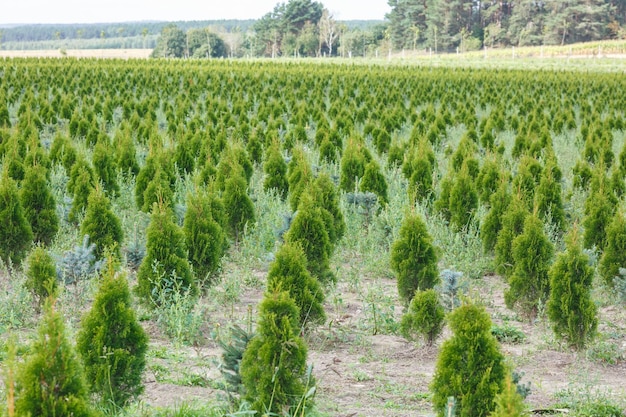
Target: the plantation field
pixel 212 186
pixel 77 53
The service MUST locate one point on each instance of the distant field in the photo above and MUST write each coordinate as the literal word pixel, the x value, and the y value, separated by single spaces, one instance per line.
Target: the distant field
pixel 79 53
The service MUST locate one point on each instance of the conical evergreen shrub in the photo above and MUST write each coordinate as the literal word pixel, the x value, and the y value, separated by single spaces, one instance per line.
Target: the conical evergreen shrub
pixel 289 273
pixel 41 274
pixel 548 199
pixel 325 194
pixel 529 282
pixel 492 223
pixel 240 212
pixel 273 368
pixel 51 381
pixel 614 256
pixel 157 190
pixel 299 176
pixel 570 308
pixel 374 181
pixel 463 200
pixel 470 366
pixel 509 403
pixel 105 167
pixel 204 235
pixel 512 226
pixel 39 205
pixel 16 235
pixel 309 230
pixel 414 258
pixel 599 210
pixel 275 170
pixel 425 317
pixel 353 164
pixel 84 183
pixel 165 267
pixel 112 343
pixel 102 225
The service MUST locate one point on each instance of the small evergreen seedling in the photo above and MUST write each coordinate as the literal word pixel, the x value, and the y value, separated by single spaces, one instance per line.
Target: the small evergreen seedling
pixel 414 258
pixel 232 354
pixel 41 275
pixel 614 256
pixel 289 273
pixel 374 181
pixel 470 366
pixel 79 263
pixel 451 288
pixel 112 343
pixel 273 368
pixel 509 403
pixel 16 235
pixel 570 308
pixel 102 225
pixel 529 282
pixel 51 382
pixel 425 317
pixel 165 266
pixel 39 205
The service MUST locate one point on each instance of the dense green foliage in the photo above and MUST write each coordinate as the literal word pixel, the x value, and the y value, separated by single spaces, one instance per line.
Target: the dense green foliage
pixel 470 367
pixel 424 317
pixel 51 382
pixel 614 256
pixel 273 368
pixel 41 274
pixel 39 205
pixel 414 258
pixel 102 225
pixel 112 343
pixel 570 308
pixel 16 235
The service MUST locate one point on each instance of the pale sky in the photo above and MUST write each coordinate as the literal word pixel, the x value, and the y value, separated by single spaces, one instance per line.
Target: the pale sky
pixel 100 11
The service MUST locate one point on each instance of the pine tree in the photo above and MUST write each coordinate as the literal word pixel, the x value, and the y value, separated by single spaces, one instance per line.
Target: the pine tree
pixel 529 282
pixel 41 275
pixel 374 181
pixel 425 317
pixel 112 343
pixel 470 366
pixel 51 382
pixel 570 308
pixel 16 235
pixel 102 225
pixel 414 258
pixel 275 170
pixel 289 273
pixel 614 256
pixel 204 235
pixel 509 403
pixel 39 205
pixel 165 267
pixel 273 368
pixel 240 207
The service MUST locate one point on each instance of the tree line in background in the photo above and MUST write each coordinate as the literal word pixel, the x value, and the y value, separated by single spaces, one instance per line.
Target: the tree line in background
pixel 306 28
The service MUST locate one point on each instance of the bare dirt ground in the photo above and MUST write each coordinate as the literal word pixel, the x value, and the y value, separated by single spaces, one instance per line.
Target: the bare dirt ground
pixel 360 373
pixel 79 53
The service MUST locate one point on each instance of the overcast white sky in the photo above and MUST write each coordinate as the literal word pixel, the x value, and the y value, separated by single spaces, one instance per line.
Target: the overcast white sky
pixel 99 11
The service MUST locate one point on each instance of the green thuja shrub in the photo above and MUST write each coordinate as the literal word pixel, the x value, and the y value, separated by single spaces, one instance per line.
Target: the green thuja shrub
pixel 289 273
pixel 421 180
pixel 414 258
pixel 353 164
pixel 509 403
pixel 81 188
pixel 309 230
pixel 16 235
pixel 425 317
pixel 492 223
pixel 50 381
pixel 570 308
pixel 112 343
pixel 102 225
pixel 41 274
pixel 240 212
pixel 599 210
pixel 157 190
pixel 273 369
pixel 442 203
pixel 374 181
pixel 275 170
pixel 165 266
pixel 105 167
pixel 299 177
pixel 204 234
pixel 470 366
pixel 512 226
pixel 614 256
pixel 463 200
pixel 39 205
pixel 126 156
pixel 548 199
pixel 529 282
pixel 325 193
